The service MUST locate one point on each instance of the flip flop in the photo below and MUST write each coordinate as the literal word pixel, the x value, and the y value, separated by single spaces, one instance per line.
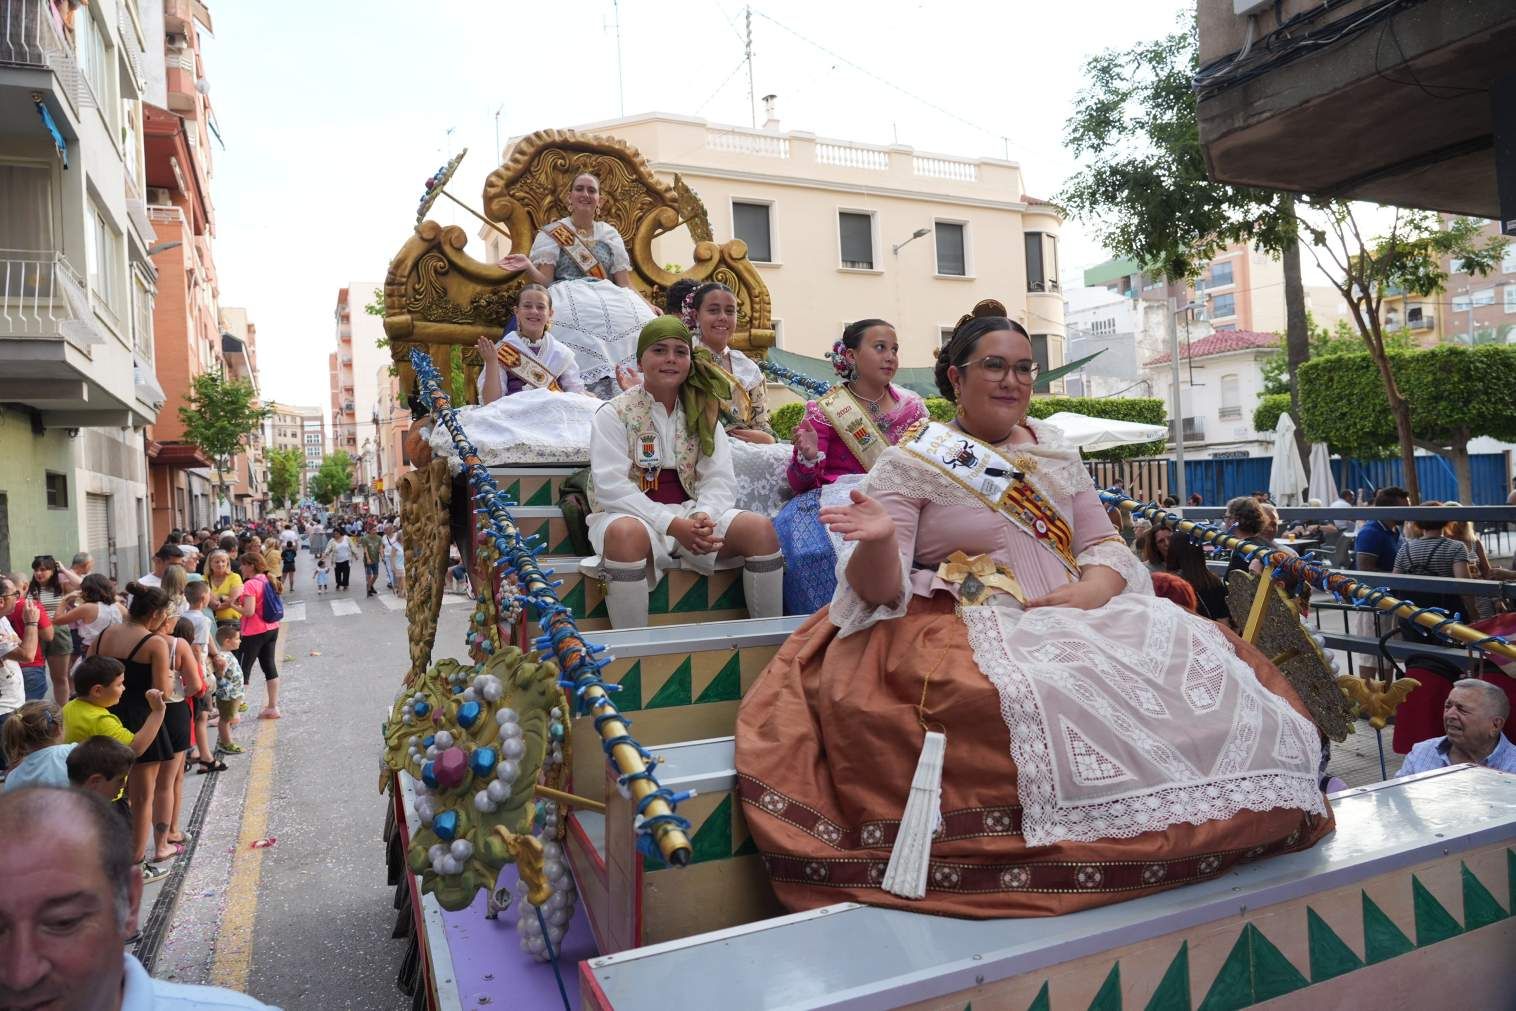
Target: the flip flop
pixel 152 872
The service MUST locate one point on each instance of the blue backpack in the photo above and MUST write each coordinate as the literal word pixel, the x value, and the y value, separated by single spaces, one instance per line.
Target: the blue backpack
pixel 271 609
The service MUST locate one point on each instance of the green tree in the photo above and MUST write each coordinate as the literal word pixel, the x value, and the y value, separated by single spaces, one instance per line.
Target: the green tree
pixel 1454 394
pixel 333 479
pixel 1342 339
pixel 1144 183
pixel 285 467
pixel 219 416
pixel 1409 256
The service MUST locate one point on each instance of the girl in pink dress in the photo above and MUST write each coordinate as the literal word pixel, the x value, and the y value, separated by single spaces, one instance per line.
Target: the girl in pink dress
pixel 841 435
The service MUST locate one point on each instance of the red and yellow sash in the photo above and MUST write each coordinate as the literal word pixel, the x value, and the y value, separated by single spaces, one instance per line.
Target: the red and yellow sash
pixel 569 239
pixel 526 367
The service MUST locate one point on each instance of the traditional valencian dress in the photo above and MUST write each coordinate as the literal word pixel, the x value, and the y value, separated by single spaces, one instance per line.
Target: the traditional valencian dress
pixel 1091 755
pixel 759 467
pixel 593 317
pixel 546 365
pixel 848 443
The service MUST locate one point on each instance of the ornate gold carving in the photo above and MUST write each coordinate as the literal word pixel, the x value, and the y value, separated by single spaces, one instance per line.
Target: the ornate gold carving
pixel 425 497
pixel 437 297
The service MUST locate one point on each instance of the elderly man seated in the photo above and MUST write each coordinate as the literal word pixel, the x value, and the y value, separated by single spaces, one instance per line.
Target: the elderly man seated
pixel 1473 717
pixel 69 899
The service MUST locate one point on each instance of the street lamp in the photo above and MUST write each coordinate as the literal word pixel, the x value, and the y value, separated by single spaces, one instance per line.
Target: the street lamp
pixel 918 233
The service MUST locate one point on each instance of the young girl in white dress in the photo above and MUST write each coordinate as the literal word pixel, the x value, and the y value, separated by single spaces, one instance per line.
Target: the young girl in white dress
pixel 527 357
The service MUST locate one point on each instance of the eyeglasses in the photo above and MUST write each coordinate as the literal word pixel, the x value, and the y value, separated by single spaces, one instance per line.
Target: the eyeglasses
pixel 994 368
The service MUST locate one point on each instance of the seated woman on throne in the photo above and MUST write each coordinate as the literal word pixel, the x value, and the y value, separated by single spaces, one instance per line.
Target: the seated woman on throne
pixel 840 437
pixel 662 489
pixel 585 262
pixel 995 716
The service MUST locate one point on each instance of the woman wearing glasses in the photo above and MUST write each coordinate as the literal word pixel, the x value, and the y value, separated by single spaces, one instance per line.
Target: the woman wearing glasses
pixel 991 638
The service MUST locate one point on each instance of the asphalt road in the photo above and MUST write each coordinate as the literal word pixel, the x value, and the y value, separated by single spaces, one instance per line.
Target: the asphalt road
pixel 305 922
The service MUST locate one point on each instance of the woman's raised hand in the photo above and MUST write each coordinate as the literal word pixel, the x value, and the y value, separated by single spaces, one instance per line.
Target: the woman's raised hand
pixel 805 442
pixel 515 261
pixel 862 520
pixel 486 349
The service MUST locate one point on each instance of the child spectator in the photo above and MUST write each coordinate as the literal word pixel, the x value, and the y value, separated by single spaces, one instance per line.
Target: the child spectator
pixel 323 566
pixel 289 551
pixel 100 765
pixel 34 748
pixel 229 689
pixel 197 595
pixel 99 683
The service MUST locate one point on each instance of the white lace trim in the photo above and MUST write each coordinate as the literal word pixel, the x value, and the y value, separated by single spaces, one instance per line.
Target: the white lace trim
pixel 897 473
pixel 1160 799
pixel 850 613
pixel 1117 555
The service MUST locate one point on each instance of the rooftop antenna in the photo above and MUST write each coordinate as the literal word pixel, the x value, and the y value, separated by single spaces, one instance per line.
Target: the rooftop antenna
pixel 498 153
pixel 748 55
pixel 620 81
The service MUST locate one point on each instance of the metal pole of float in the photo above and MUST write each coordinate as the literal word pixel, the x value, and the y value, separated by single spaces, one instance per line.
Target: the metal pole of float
pixel 1178 398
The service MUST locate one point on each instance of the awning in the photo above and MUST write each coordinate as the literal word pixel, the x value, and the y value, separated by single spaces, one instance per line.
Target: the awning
pixel 180 455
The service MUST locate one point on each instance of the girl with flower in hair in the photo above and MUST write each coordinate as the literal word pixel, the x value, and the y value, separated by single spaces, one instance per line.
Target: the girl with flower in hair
pixel 662 492
pixel 836 443
pixel 710 312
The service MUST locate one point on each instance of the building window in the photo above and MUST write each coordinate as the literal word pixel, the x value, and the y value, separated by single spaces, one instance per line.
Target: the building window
pixel 97 64
pixel 142 317
pixel 751 223
pixel 1041 262
pixel 856 230
pixel 57 490
pixel 1461 303
pixel 1484 296
pixel 1455 266
pixel 105 256
pixel 1221 274
pixel 26 208
pixel 1510 298
pixel 1231 397
pixel 778 325
pixel 1508 259
pixel 1223 305
pixel 944 334
pixel 952 255
pixel 1040 356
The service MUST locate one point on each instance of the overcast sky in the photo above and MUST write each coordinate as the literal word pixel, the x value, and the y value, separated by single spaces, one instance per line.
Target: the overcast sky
pixel 334 114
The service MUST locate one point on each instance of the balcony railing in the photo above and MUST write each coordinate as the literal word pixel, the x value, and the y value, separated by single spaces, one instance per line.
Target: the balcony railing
pixel 852 156
pixel 41 295
pixel 1229 413
pixel 742 142
pixel 1194 430
pixel 945 168
pixel 31 36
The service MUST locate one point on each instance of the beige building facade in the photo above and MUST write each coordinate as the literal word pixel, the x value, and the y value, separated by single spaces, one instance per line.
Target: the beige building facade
pixel 842 230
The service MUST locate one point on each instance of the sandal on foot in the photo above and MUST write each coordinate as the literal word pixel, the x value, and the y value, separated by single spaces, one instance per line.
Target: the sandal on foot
pixel 152 872
pixel 270 713
pixel 231 749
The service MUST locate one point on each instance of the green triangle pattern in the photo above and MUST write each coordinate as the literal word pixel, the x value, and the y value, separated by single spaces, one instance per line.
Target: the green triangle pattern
pixel 731 599
pixel 1381 938
pixel 543 496
pixel 598 611
pixel 629 698
pixel 1433 922
pixel 1330 955
pixel 726 686
pixel 1254 971
pixel 574 599
pixel 658 600
pixel 694 598
pixel 676 690
pixel 513 490
pixel 1108 997
pixel 713 839
pixel 747 849
pixel 1510 877
pixel 1173 992
pixel 1041 1001
pixel 564 547
pixel 1479 907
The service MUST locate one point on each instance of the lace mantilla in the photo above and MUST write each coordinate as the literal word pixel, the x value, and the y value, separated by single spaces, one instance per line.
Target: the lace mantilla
pixel 850 613
pixel 1118 556
pixel 1135 717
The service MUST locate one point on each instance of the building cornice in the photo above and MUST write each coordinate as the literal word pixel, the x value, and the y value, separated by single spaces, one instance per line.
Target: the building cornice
pixel 811 183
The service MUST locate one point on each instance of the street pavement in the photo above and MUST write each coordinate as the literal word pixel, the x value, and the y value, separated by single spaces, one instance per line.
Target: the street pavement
pixel 304 921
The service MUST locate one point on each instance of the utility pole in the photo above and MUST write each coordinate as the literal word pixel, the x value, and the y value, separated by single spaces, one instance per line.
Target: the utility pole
pixel 620 81
pixel 748 53
pixel 498 153
pixel 1178 407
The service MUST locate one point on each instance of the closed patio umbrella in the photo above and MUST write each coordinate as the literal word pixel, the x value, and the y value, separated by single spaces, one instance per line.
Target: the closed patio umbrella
pixel 1287 480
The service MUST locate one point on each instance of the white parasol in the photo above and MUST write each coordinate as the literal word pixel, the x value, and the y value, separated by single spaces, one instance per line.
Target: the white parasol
pixel 1091 434
pixel 1323 485
pixel 1287 480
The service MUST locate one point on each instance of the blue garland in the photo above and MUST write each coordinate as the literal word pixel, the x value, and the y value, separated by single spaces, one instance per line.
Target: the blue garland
pixel 805 384
pixel 1310 571
pixel 579 662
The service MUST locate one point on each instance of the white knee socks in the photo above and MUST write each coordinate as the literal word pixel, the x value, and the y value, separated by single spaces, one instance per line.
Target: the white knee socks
pixel 626 593
pixel 763 585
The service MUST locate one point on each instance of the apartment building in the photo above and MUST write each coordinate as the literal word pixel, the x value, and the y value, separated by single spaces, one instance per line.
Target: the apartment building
pixel 394 420
pixel 1481 310
pixel 286 428
pixel 247 476
pixel 354 369
pixel 77 285
pixel 313 442
pixel 841 230
pixel 1220 379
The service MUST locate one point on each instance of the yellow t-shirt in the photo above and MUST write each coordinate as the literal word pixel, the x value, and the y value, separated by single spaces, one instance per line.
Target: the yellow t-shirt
pixel 231 586
pixel 83 719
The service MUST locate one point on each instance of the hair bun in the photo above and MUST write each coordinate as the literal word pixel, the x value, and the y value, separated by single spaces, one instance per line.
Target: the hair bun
pixel 989 307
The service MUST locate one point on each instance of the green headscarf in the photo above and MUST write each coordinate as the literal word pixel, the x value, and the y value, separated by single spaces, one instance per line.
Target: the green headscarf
pixel 704 389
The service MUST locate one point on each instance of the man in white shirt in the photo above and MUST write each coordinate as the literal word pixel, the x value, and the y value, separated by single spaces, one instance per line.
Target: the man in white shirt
pixel 288 537
pixel 167 555
pixel 69 861
pixel 1346 499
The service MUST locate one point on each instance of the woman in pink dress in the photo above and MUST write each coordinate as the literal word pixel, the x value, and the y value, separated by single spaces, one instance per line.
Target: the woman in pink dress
pixel 995 654
pixel 838 440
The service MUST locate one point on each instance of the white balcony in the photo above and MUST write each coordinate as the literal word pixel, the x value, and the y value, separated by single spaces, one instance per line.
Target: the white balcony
pixel 41 295
pixel 739 141
pixel 856 156
pixel 31 38
pixel 937 167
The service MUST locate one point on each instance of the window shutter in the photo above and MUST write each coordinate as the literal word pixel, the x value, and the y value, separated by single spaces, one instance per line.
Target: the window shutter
pixel 857 240
pixel 950 254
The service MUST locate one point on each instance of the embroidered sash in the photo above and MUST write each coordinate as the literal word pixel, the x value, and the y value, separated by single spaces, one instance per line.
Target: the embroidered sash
pixel 853 426
pixel 564 234
pixel 996 482
pixel 635 409
pixel 526 367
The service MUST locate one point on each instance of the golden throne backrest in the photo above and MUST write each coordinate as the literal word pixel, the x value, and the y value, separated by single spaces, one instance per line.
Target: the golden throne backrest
pixel 439 298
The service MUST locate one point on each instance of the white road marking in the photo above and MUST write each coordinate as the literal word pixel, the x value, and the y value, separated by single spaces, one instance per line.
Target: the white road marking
pixel 393 602
pixel 294 610
pixel 341 607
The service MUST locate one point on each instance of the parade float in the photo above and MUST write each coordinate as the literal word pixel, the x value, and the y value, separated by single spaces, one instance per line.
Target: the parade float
pixel 565 823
